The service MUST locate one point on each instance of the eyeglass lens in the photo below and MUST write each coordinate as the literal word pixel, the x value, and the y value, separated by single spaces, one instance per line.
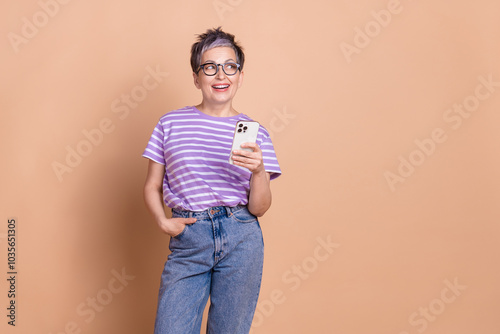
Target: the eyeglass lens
pixel 212 68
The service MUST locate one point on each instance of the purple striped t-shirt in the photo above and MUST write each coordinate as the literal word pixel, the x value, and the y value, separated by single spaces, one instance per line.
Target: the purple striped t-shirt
pixel 195 148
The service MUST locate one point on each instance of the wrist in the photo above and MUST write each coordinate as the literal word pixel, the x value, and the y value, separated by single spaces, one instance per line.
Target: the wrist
pixel 259 172
pixel 164 224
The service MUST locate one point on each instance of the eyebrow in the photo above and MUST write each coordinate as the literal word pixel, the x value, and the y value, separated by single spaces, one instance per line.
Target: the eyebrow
pixel 213 61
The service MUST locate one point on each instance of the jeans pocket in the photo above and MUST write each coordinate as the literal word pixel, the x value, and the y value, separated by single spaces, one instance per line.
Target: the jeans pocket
pixel 183 232
pixel 243 216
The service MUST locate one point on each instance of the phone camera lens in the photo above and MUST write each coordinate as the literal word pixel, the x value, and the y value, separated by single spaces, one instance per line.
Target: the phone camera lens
pixel 239 130
pixel 245 128
pixel 240 125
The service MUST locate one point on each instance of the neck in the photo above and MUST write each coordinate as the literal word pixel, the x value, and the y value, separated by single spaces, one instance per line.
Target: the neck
pixel 222 110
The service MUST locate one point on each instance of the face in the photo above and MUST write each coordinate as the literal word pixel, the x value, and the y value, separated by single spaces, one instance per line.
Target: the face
pixel 220 88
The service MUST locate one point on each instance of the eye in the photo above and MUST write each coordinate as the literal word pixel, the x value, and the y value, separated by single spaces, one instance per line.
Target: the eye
pixel 209 66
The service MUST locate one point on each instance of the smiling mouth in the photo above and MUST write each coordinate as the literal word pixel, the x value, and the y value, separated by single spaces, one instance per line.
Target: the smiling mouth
pixel 220 86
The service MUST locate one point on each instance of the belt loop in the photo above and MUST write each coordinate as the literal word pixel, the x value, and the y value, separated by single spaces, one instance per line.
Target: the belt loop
pixel 190 215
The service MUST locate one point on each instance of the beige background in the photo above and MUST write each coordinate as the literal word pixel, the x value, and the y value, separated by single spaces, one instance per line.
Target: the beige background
pixel 341 122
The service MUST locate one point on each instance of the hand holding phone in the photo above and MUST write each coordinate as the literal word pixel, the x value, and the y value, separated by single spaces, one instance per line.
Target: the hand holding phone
pixel 245 132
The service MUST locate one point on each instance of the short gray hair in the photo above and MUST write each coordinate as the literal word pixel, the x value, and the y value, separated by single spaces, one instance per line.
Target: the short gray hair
pixel 214 38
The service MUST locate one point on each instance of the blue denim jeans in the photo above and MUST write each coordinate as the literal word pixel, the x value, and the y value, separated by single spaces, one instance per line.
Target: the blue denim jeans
pixel 220 255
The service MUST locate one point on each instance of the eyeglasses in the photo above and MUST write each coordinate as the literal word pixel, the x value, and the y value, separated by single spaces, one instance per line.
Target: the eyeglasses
pixel 212 69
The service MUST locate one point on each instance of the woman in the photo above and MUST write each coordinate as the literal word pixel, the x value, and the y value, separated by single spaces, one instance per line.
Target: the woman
pixel 216 242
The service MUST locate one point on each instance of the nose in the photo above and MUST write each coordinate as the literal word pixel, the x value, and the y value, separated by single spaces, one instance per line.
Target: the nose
pixel 220 73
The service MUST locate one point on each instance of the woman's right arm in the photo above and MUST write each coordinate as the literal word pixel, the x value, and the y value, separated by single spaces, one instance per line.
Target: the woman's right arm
pixel 154 201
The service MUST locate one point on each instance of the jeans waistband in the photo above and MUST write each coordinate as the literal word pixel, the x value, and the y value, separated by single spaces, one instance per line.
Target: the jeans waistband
pixel 210 212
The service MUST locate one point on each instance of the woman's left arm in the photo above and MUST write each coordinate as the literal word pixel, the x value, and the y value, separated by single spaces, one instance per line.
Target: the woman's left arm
pixel 260 198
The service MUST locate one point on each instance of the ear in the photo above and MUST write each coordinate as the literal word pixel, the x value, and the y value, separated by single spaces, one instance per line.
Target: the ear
pixel 196 80
pixel 240 79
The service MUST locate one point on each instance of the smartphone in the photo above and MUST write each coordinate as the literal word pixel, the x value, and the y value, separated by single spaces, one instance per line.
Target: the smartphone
pixel 245 132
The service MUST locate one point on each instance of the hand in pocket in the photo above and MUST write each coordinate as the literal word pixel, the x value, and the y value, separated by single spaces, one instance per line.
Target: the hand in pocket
pixel 175 226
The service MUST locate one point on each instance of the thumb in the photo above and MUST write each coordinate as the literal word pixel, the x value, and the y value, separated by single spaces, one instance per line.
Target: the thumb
pixel 189 221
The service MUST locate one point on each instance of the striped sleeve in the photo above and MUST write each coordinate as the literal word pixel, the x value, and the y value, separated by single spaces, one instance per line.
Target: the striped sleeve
pixel 268 154
pixel 155 148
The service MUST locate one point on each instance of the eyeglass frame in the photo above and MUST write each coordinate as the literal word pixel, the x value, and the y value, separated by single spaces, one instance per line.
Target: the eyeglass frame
pixel 202 67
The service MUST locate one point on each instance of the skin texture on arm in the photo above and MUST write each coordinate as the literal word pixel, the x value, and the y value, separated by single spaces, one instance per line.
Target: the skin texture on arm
pixel 154 201
pixel 260 194
pixel 260 197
